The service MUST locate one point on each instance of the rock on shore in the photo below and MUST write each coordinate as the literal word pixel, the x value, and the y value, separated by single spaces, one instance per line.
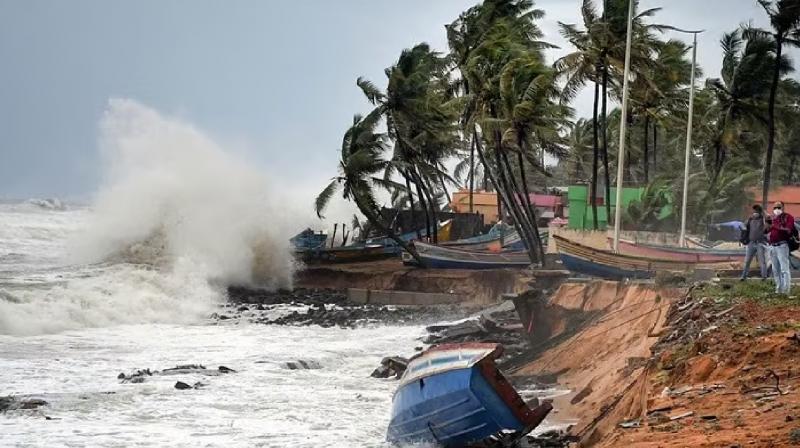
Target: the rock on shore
pixel 326 308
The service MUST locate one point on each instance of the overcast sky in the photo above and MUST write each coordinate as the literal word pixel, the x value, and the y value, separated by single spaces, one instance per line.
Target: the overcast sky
pixel 274 80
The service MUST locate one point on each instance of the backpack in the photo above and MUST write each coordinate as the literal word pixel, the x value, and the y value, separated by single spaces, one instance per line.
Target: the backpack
pixel 794 238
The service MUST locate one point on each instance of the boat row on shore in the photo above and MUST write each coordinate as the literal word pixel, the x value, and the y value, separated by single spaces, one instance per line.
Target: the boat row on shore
pixel 502 248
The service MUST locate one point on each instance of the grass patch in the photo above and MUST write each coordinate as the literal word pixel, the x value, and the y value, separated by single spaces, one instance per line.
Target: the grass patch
pixel 728 293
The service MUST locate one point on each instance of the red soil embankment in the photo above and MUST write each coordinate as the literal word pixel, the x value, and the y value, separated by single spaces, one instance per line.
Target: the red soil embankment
pixel 651 367
pixel 737 384
pixel 596 342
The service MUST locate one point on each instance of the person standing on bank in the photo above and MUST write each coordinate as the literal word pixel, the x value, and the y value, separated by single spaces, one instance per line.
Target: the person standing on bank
pixel 755 238
pixel 780 232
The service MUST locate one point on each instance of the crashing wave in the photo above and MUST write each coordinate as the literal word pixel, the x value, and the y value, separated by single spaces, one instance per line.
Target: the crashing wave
pixel 48 204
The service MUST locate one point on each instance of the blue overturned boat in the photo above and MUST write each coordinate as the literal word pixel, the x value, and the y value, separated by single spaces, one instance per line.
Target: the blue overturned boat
pixel 453 395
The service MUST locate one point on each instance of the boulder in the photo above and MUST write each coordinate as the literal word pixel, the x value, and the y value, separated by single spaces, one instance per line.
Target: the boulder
pixel 302 364
pixel 180 385
pixel 391 366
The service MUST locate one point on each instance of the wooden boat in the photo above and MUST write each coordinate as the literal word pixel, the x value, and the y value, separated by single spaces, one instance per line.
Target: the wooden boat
pixel 308 239
pixel 697 243
pixel 512 241
pixel 453 395
pixel 606 264
pixel 438 257
pixel 495 234
pixel 348 254
pixel 690 255
pixel 444 231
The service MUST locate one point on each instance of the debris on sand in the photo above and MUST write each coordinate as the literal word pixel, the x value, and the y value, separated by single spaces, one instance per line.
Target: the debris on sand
pixel 499 325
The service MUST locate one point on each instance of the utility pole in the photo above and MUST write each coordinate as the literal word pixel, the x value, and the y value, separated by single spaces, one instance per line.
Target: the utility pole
pixel 682 239
pixel 623 127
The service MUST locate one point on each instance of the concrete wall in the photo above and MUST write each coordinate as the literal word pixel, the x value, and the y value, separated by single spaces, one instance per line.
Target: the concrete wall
pixel 381 297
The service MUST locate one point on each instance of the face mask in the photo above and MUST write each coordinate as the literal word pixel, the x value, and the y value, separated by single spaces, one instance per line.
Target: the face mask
pixel 777 212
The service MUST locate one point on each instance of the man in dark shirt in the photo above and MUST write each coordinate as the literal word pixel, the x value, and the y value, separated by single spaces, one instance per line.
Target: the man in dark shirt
pixel 755 238
pixel 779 229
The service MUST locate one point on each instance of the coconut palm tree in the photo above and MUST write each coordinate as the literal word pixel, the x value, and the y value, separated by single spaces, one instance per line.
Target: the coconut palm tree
pixel 741 92
pixel 784 17
pixel 655 210
pixel 421 122
pixel 575 164
pixel 361 163
pixel 599 59
pixel 659 90
pixel 484 40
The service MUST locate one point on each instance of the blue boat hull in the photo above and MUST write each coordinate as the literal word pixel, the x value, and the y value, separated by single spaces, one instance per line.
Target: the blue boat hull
pixel 579 265
pixel 452 408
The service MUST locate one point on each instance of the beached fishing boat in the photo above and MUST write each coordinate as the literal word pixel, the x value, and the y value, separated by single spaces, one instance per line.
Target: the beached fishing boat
pixel 691 255
pixel 606 264
pixel 348 254
pixel 308 239
pixel 512 241
pixel 444 231
pixel 494 234
pixel 453 395
pixel 438 257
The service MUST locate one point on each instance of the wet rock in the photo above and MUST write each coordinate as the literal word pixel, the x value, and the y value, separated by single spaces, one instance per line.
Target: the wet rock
pixel 242 309
pixel 391 366
pixel 328 309
pixel 185 367
pixel 138 376
pixel 11 403
pixel 180 385
pixel 6 403
pixel 302 364
pixel 32 403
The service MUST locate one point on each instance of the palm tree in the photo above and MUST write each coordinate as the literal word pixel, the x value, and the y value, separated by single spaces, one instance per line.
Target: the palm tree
pixel 421 123
pixel 484 40
pixel 465 35
pixel 361 161
pixel 599 59
pixel 741 91
pixel 718 199
pixel 579 141
pixel 784 17
pixel 531 116
pixel 659 91
pixel 655 210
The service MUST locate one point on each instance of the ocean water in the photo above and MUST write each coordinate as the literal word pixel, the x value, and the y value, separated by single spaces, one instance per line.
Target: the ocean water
pixel 129 281
pixel 66 332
